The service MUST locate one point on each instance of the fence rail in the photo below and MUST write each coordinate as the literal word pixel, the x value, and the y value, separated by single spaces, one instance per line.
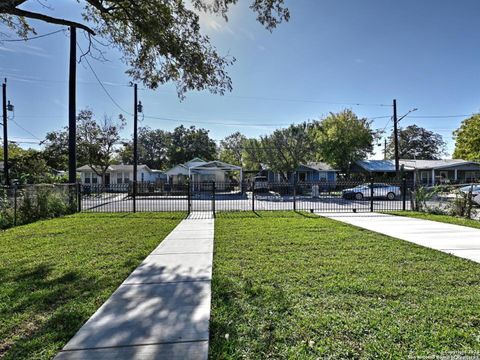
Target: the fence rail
pixel 27 203
pixel 337 196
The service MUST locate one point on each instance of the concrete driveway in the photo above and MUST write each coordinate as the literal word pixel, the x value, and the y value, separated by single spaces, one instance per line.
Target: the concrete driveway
pixel 457 240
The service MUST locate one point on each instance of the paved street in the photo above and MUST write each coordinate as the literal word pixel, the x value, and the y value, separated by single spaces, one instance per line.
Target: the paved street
pixel 123 203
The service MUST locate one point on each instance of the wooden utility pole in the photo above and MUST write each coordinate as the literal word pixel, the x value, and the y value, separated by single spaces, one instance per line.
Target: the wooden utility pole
pixel 395 136
pixel 135 141
pixel 5 134
pixel 72 123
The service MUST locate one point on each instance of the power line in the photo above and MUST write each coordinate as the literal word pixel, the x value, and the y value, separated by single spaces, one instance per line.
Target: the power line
pixel 440 116
pixel 34 37
pixel 24 129
pixel 103 87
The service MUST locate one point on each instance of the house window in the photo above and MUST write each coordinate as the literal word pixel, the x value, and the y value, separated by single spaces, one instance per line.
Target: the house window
pixel 142 176
pixel 443 176
pixel 87 177
pixel 126 178
pixel 94 178
pixel 425 176
pixel 302 176
pixel 470 176
pixel 119 178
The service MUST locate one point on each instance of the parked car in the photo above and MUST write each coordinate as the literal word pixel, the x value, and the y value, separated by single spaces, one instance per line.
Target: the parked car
pixel 365 191
pixel 474 188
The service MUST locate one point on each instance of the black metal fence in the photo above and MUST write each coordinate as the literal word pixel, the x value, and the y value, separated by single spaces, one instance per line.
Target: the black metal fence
pixel 337 196
pixel 23 204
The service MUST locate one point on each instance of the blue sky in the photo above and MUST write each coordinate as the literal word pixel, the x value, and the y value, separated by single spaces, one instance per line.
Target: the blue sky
pixel 332 54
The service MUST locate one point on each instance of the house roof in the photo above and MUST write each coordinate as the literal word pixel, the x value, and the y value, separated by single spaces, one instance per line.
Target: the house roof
pixel 410 165
pixel 377 165
pixel 199 164
pixel 436 164
pixel 216 165
pixel 319 166
pixel 120 167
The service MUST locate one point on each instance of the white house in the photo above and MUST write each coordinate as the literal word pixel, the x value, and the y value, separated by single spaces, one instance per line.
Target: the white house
pixel 199 170
pixel 121 174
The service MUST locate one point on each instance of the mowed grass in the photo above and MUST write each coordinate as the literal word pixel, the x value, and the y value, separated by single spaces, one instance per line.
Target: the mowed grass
pixel 293 286
pixel 54 274
pixel 441 218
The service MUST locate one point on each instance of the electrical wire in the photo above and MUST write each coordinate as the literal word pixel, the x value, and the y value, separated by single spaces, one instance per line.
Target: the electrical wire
pixel 26 130
pixel 34 37
pixel 101 84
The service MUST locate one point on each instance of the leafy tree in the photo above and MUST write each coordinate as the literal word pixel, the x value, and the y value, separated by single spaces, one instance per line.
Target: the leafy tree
pixel 415 142
pixel 232 149
pixel 342 138
pixel 252 156
pixel 467 139
pixel 97 141
pixel 28 165
pixel 188 143
pixel 160 40
pixel 285 149
pixel 55 151
pixel 152 148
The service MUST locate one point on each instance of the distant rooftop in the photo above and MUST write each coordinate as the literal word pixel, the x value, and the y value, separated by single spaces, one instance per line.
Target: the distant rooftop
pixel 410 165
pixel 319 166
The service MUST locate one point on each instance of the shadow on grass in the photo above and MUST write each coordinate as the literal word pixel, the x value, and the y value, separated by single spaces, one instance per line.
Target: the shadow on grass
pixel 226 337
pixel 54 302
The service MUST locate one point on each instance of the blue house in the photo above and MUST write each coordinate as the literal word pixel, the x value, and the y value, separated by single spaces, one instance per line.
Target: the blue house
pixel 312 172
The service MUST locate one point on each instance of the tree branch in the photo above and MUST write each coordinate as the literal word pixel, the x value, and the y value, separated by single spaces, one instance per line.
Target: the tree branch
pixel 49 19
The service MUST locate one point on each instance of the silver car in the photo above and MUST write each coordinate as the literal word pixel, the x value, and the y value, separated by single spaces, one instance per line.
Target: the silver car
pixel 365 191
pixel 474 188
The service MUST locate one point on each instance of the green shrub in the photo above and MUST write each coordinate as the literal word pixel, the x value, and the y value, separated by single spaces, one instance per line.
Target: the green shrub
pixel 35 203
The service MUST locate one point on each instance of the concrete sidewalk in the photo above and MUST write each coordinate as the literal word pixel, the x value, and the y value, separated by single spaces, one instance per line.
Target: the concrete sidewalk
pixel 162 310
pixel 457 240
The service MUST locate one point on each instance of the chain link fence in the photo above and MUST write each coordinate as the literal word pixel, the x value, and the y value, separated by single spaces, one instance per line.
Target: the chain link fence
pixel 23 204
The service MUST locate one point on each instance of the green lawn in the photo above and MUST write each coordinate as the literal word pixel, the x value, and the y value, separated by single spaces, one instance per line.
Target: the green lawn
pixel 292 286
pixel 54 274
pixel 440 218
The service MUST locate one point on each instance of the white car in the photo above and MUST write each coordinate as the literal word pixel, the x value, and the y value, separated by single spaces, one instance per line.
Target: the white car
pixel 379 191
pixel 475 189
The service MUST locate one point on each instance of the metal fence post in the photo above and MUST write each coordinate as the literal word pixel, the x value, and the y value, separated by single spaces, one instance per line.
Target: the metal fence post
pixel 253 196
pixel 79 197
pixel 134 193
pixel 213 198
pixel 189 197
pixel 371 194
pixel 404 194
pixel 294 194
pixel 15 205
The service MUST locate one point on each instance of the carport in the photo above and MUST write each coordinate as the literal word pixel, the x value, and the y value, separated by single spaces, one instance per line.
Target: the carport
pixel 214 167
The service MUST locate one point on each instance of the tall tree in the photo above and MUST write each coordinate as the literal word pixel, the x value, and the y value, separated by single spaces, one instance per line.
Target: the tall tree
pixel 153 146
pixel 232 148
pixel 343 138
pixel 160 40
pixel 415 142
pixel 188 143
pixel 285 149
pixel 98 140
pixel 467 139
